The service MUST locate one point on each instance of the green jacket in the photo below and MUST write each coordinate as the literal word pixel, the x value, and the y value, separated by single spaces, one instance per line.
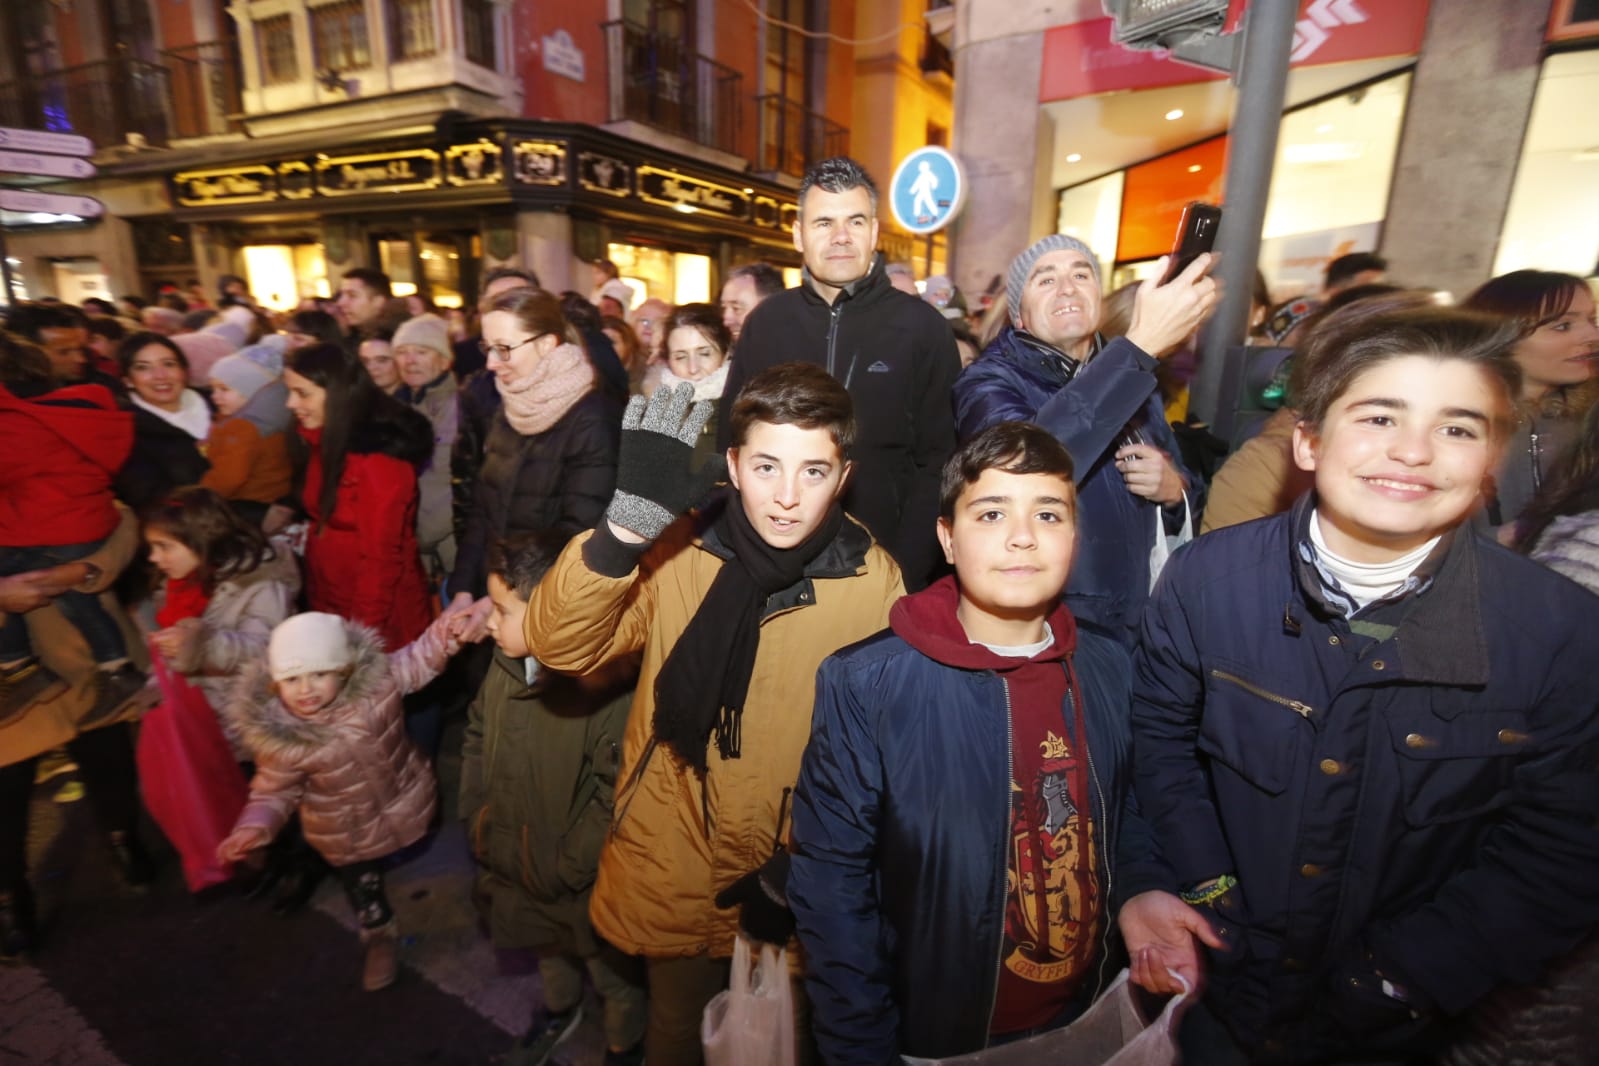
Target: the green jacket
pixel 537 780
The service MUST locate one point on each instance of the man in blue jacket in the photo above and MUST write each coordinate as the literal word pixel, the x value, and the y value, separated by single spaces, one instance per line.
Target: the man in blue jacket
pixel 1099 399
pixel 964 832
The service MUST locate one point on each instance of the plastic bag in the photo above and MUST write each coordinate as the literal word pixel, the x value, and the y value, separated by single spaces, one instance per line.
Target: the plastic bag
pixel 752 1023
pixel 191 784
pixel 1110 1033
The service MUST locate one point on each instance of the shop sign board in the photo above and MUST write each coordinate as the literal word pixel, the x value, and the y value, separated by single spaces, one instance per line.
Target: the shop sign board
pixel 50 203
pixel 604 174
pixel 478 163
pixel 928 190
pixel 45 141
pixel 231 185
pixel 50 166
pixel 563 57
pixel 671 189
pixel 539 162
pixel 354 175
pixel 1084 58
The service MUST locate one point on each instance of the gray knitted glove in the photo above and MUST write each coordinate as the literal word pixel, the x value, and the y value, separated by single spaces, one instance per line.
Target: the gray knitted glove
pixel 655 481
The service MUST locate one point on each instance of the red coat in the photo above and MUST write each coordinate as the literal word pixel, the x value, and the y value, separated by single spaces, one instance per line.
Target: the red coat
pixel 363 563
pixel 59 462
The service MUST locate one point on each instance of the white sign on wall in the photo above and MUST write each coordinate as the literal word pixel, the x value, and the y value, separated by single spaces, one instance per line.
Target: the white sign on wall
pixel 563 57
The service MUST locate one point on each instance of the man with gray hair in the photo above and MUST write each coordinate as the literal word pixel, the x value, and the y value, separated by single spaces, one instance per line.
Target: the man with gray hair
pixel 1100 400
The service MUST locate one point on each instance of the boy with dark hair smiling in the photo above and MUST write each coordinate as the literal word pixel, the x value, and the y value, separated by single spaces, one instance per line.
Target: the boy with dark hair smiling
pixel 963 826
pixel 733 612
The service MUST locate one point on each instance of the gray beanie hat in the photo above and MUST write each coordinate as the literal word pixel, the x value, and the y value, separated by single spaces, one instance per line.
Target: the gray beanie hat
pixel 1022 265
pixel 251 369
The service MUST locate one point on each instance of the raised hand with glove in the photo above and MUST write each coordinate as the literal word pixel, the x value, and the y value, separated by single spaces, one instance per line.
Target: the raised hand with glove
pixel 655 479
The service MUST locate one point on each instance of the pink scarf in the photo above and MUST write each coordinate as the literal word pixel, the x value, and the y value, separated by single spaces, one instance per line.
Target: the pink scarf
pixel 536 402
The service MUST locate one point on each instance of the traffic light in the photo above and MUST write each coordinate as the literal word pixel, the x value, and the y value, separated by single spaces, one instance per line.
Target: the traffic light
pixel 1153 23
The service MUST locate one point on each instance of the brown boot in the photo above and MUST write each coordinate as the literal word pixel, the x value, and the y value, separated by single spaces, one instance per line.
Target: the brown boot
pixel 382 956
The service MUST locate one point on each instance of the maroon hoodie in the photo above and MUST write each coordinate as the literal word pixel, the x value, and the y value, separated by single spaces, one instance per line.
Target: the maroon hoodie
pixel 1054 905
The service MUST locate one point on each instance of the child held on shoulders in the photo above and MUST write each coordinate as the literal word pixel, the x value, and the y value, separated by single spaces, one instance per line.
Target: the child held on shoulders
pixel 538 778
pixel 226 589
pixel 323 718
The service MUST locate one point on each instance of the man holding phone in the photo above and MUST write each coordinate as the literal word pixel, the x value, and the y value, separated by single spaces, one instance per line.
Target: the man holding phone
pixel 1100 400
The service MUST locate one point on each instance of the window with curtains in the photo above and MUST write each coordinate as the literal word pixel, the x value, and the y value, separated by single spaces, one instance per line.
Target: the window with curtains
pixel 279 64
pixel 477 31
pixel 339 36
pixel 411 33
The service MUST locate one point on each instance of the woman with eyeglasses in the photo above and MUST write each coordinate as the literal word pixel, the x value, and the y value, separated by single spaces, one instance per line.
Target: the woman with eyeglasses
pixel 549 454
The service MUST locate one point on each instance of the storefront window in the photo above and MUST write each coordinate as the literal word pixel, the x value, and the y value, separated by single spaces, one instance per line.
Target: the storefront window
pixel 1553 219
pixel 1329 189
pixel 1091 212
pixel 676 277
pixel 394 259
pixel 281 275
pixel 441 264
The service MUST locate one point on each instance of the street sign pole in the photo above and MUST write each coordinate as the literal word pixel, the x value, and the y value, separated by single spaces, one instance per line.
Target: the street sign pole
pixel 1261 82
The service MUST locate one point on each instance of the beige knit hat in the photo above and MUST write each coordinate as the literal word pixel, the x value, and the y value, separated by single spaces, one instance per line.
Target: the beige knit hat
pixel 426 331
pixel 307 644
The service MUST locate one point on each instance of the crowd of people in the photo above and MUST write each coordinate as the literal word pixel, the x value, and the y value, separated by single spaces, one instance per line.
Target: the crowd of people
pixel 919 636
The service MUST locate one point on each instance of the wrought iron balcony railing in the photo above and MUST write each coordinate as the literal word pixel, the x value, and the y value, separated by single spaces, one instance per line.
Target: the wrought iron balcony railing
pixel 793 138
pixel 660 81
pixel 192 92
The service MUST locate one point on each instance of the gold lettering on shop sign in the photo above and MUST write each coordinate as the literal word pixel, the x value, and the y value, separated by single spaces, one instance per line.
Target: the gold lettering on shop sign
pixel 203 187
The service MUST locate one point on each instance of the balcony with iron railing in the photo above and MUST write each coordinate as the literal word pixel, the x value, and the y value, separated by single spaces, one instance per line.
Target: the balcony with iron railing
pixel 659 81
pixel 190 92
pixel 792 138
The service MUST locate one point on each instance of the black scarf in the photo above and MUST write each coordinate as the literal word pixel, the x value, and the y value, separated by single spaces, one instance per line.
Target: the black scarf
pixel 703 683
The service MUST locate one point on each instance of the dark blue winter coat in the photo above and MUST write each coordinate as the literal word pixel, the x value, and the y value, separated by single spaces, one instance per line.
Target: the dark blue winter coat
pixel 900 838
pixel 1020 378
pixel 1429 799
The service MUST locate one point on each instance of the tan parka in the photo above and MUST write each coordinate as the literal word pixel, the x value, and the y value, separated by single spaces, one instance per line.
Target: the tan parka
pixel 676 839
pixel 362 788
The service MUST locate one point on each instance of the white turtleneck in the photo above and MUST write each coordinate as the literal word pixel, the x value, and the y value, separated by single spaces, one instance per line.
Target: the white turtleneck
pixel 192 415
pixel 1366 582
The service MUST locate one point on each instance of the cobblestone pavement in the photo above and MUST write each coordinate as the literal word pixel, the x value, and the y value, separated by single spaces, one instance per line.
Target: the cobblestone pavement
pixel 165 979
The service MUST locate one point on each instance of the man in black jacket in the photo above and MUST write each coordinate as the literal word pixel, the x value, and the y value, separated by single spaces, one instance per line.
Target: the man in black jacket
pixel 893 352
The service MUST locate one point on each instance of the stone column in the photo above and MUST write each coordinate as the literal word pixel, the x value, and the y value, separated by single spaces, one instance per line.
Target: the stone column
pixel 544 243
pixel 1002 137
pixel 1464 126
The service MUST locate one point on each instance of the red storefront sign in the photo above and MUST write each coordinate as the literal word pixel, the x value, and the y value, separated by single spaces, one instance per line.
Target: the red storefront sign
pixel 1082 59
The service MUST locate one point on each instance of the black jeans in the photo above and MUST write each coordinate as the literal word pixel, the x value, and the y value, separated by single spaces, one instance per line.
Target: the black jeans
pixel 110 778
pixel 82 609
pixel 363 887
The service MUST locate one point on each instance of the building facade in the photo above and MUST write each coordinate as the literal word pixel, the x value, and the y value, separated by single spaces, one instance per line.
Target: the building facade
pixel 291 140
pixel 1450 135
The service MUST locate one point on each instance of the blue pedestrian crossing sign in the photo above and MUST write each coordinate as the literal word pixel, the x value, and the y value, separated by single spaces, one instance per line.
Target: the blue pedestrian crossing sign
pixel 928 190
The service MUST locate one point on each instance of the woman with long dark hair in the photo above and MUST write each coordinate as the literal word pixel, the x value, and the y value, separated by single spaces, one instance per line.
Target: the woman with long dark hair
pixel 170 420
pixel 356 459
pixel 1556 350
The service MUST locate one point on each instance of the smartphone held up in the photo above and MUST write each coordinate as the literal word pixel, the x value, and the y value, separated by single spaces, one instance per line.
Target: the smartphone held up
pixel 1196 235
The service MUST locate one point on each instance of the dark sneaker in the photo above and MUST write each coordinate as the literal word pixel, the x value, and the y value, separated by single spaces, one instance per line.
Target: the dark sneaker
pixel 633 1056
pixel 548 1032
pixel 115 690
pixel 26 684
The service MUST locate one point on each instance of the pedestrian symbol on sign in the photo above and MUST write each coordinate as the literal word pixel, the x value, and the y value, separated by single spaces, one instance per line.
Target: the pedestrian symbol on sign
pixel 928 190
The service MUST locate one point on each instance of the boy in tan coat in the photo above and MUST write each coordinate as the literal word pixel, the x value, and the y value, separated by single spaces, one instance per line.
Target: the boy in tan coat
pixel 732 624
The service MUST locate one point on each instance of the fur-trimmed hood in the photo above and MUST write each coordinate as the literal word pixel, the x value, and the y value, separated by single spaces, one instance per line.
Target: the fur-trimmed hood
pixel 269 729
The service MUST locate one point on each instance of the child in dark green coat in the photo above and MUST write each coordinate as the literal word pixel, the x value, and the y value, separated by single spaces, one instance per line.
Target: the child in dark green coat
pixel 537 780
